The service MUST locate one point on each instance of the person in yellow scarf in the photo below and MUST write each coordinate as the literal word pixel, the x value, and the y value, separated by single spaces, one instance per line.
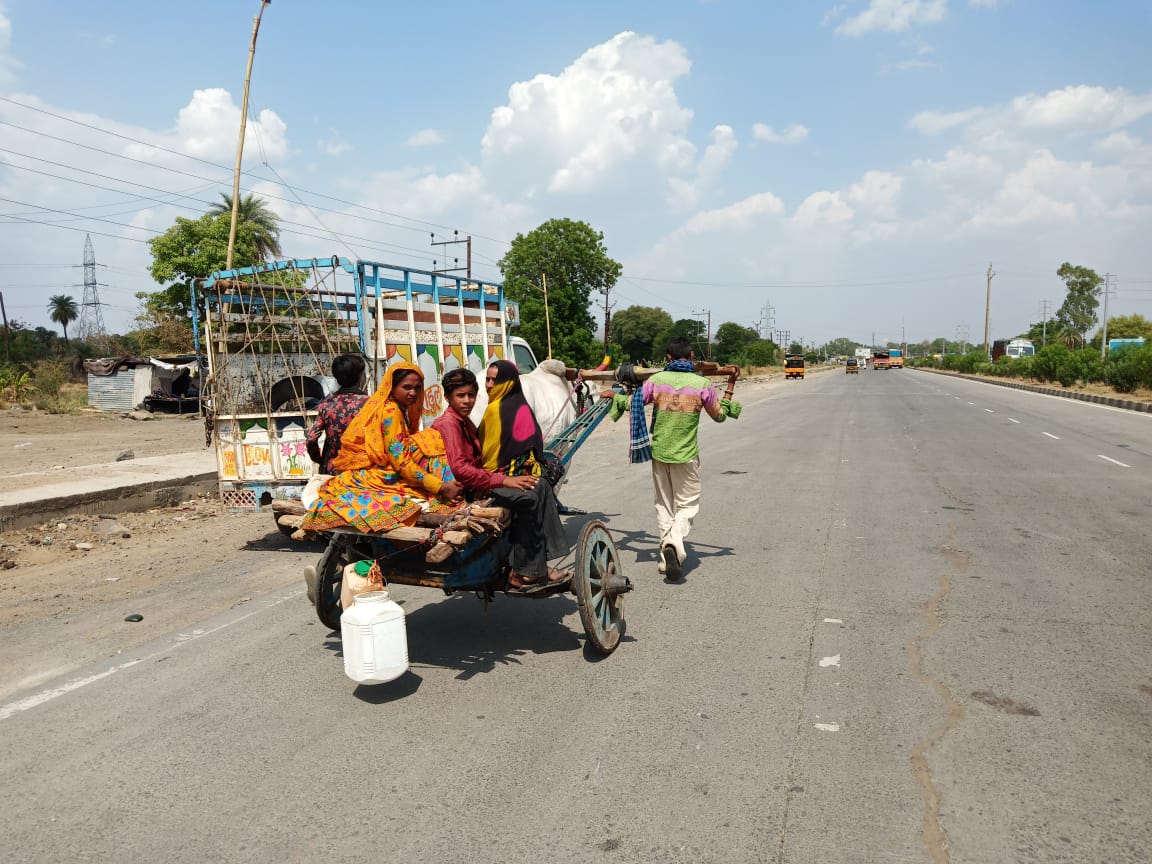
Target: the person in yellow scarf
pixel 390 470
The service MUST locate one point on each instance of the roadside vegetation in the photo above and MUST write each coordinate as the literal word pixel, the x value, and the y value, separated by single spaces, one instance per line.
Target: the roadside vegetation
pixel 1127 370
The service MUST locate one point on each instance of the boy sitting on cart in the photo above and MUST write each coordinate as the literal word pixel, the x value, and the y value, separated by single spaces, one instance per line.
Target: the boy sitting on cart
pixel 497 462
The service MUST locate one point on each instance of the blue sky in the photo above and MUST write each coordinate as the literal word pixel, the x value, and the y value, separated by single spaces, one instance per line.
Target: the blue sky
pixel 856 165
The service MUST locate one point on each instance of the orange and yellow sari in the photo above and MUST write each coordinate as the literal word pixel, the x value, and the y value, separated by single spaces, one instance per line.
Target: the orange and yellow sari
pixel 389 473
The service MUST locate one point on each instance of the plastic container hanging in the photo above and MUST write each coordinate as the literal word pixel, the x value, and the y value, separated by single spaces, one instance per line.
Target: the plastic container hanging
pixel 375 639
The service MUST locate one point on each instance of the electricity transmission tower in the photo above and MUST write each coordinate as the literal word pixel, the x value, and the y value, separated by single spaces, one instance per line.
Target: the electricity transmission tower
pixel 90 327
pixel 767 321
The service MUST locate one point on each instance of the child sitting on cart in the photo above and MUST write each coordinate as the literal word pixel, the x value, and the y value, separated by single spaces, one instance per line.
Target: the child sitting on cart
pixel 389 470
pixel 484 461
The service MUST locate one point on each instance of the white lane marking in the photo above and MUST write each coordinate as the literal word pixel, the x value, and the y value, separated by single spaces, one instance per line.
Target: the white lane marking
pixel 1011 420
pixel 1113 461
pixel 989 410
pixel 834 660
pixel 833 620
pixel 1054 437
pixel 181 639
pixel 971 403
pixel 827 727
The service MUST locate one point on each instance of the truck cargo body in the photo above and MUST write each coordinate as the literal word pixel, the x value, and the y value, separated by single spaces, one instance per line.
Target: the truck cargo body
pixel 270 333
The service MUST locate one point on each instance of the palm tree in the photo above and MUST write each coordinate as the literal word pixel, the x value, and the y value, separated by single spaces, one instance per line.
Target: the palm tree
pixel 62 310
pixel 254 211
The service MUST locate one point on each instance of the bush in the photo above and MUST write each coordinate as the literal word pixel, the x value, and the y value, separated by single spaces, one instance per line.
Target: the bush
pixel 1087 366
pixel 1129 368
pixel 49 376
pixel 1048 362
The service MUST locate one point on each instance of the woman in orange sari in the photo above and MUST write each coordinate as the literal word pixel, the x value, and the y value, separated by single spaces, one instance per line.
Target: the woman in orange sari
pixel 390 471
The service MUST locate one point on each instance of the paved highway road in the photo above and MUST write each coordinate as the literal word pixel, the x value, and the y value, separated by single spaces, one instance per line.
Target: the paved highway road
pixel 914 628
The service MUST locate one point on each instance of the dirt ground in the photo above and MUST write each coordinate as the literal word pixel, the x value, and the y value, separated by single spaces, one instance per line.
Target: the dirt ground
pixel 37 441
pixel 66 586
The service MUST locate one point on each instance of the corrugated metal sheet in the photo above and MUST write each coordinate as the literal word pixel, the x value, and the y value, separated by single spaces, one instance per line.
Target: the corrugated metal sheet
pixel 112 392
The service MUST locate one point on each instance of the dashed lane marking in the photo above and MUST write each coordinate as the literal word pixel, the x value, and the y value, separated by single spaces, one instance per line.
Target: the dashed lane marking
pixel 181 639
pixel 1013 420
pixel 1050 435
pixel 1113 461
pixel 989 410
pixel 971 403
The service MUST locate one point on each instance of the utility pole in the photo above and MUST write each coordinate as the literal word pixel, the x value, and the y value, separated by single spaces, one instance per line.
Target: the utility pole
pixel 607 320
pixel 1104 335
pixel 547 316
pixel 456 261
pixel 988 309
pixel 7 332
pixel 240 143
pixel 1044 322
pixel 706 314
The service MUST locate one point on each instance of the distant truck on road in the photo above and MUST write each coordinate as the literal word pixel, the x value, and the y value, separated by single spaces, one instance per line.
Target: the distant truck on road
pixel 1013 348
pixel 879 359
pixel 895 358
pixel 1113 344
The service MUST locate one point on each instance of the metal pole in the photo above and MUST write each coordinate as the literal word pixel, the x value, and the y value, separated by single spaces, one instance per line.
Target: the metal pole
pixel 1104 335
pixel 547 316
pixel 987 310
pixel 7 331
pixel 240 142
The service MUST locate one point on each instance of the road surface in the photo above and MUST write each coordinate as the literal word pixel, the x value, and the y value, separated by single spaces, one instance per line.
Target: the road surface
pixel 914 628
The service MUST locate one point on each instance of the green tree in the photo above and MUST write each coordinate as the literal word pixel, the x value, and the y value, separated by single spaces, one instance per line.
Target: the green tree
pixel 191 249
pixel 255 212
pixel 843 345
pixel 795 348
pixel 1125 327
pixel 762 352
pixel 573 257
pixel 1078 312
pixel 691 329
pixel 62 309
pixel 636 328
pixel 731 340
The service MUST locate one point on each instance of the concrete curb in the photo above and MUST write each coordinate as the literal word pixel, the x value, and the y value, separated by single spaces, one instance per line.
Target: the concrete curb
pixel 159 481
pixel 1096 398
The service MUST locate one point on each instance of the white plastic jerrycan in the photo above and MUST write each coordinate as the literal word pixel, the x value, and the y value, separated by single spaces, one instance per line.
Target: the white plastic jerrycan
pixel 375 640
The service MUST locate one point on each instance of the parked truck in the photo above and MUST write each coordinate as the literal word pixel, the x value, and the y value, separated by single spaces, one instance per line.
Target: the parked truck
pixel 269 334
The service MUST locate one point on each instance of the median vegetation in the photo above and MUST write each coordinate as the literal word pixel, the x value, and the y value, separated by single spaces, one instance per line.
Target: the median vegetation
pixel 1127 370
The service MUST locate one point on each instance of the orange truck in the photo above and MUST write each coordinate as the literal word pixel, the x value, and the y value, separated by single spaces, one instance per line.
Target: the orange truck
pixel 895 358
pixel 879 359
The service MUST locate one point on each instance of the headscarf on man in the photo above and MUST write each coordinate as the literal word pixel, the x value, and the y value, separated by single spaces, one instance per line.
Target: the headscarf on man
pixel 508 430
pixel 363 444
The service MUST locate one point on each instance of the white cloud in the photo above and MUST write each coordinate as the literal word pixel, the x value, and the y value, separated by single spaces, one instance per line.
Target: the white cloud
pixel 1121 144
pixel 611 117
pixel 425 138
pixel 334 144
pixel 822 208
pixel 877 190
pixel 1071 109
pixel 791 134
pixel 893 16
pixel 207 128
pixel 935 122
pixel 9 65
pixel 735 217
pixel 986 4
pixel 1081 107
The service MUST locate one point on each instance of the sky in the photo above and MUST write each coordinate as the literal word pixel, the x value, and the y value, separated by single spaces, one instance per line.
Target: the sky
pixel 830 169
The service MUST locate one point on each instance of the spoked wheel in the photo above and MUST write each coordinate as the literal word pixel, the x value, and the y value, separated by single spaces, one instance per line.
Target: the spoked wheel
pixel 600 586
pixel 329 575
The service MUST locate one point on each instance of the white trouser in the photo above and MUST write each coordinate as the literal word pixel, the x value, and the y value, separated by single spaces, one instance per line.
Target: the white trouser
pixel 677 502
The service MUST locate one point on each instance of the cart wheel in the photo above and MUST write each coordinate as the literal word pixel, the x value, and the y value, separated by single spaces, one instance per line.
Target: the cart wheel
pixel 330 573
pixel 600 588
